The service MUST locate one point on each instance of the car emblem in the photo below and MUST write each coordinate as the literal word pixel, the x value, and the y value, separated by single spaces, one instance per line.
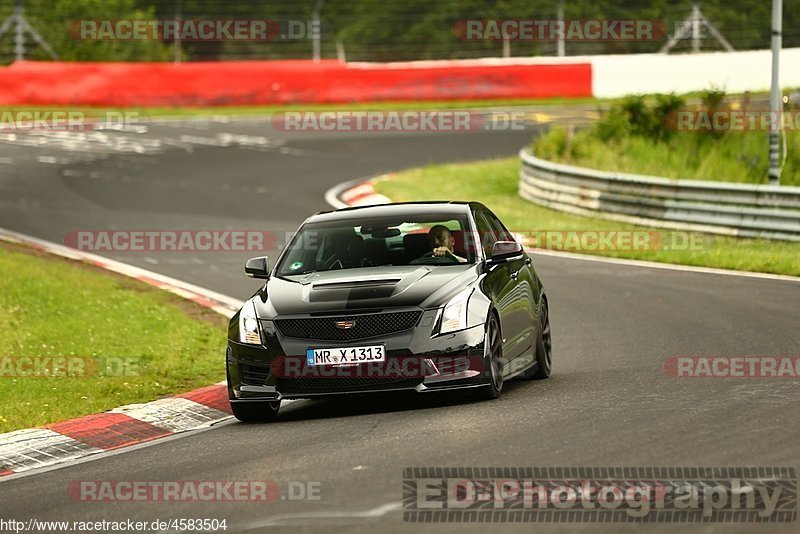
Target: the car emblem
pixel 345 325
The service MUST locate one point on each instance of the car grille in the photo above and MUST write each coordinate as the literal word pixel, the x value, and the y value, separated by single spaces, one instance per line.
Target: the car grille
pixel 253 375
pixel 365 326
pixel 340 384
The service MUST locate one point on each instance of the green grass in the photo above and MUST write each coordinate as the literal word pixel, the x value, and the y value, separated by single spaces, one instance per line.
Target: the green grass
pixel 203 112
pixel 495 184
pixel 208 111
pixel 733 157
pixel 51 307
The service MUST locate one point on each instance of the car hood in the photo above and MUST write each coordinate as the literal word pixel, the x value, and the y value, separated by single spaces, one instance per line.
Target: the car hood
pixel 364 289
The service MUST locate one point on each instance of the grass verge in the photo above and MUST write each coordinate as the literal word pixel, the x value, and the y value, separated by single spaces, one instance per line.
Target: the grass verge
pixel 495 184
pixel 210 111
pixel 121 340
pixel 662 135
pixel 736 157
pixel 204 112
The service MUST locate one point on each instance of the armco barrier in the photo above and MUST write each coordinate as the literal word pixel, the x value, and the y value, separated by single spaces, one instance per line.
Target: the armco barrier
pixel 762 211
pixel 283 82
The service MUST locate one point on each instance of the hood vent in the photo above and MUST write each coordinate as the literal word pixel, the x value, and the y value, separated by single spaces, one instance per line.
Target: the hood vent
pixel 353 284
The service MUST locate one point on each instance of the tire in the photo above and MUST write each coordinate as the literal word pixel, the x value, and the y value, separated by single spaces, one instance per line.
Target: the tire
pixel 542 349
pixel 492 352
pixel 255 412
pixel 544 346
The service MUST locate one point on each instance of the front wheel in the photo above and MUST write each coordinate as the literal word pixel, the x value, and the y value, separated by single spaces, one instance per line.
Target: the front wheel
pixel 543 349
pixel 544 346
pixel 255 411
pixel 492 358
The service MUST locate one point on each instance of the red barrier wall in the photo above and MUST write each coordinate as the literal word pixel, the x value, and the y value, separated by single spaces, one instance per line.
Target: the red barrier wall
pixel 281 82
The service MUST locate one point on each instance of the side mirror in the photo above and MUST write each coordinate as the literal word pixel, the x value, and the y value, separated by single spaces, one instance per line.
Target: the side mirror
pixel 257 267
pixel 504 250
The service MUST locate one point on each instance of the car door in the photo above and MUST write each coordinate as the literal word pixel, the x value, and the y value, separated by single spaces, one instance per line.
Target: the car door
pixel 523 296
pixel 500 287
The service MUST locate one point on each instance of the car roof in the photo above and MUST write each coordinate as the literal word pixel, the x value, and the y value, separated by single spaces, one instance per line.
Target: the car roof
pixel 394 209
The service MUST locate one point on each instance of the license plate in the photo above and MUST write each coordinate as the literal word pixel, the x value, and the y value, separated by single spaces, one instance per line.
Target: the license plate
pixel 346 355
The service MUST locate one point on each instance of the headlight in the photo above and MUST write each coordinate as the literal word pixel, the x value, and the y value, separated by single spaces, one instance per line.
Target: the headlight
pixel 454 316
pixel 248 325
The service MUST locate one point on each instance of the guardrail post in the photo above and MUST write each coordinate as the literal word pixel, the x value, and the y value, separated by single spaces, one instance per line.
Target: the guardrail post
pixel 775 100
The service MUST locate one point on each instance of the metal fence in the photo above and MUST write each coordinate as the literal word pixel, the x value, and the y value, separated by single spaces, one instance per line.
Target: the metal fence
pixel 744 210
pixel 376 30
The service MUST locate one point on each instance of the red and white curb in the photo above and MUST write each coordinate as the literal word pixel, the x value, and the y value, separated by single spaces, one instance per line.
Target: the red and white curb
pixel 33 448
pixel 357 193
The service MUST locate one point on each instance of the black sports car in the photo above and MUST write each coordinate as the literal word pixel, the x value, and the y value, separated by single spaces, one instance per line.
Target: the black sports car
pixel 426 296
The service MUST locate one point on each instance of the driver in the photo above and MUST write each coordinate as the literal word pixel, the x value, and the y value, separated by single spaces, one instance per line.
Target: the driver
pixel 442 241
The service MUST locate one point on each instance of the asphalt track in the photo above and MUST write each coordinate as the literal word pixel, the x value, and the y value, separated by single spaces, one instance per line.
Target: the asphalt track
pixel 609 402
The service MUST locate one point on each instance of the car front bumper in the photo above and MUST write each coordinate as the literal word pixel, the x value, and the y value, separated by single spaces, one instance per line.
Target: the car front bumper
pixel 415 361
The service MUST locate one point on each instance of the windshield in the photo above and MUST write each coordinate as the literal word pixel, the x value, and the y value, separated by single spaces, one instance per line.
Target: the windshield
pixel 352 244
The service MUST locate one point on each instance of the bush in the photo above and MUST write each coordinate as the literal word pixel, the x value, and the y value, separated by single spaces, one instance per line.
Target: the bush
pixel 666 108
pixel 613 126
pixel 714 100
pixel 553 145
pixel 635 135
pixel 633 116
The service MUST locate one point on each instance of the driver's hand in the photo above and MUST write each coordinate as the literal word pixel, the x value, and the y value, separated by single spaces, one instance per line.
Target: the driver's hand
pixel 441 251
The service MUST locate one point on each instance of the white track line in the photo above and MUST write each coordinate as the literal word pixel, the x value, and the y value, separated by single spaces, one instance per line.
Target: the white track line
pixel 665 266
pixel 304 518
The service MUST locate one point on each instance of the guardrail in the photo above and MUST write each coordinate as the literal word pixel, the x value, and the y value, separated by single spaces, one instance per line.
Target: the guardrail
pixel 744 210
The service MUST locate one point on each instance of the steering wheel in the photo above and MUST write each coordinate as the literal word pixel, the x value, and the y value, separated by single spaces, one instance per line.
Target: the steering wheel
pixel 331 262
pixel 450 256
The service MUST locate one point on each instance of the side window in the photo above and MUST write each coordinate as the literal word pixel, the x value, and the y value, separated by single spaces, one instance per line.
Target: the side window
pixel 500 231
pixel 485 233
